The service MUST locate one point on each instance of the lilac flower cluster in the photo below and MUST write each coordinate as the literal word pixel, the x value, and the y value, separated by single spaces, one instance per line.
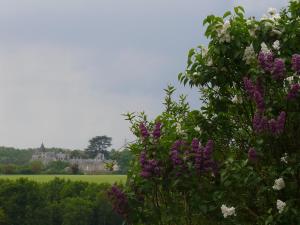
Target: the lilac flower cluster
pixel 266 61
pixel 260 123
pixel 197 155
pixel 275 127
pixel 119 200
pixel 252 155
pixel 275 67
pixel 296 63
pixel 175 153
pixel 156 131
pixel 144 131
pixel 278 69
pixel 150 167
pixel 293 92
pixel 255 92
pixel 203 156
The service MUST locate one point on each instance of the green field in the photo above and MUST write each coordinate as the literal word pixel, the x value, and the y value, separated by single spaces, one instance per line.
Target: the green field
pixel 87 178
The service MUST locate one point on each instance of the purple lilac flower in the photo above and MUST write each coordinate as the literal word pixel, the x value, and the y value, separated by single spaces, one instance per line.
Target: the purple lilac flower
pixel 252 155
pixel 143 158
pixel 149 167
pixel 280 122
pixel 143 130
pixel 195 145
pixel 175 154
pixel 259 122
pixel 157 130
pixel 208 149
pixel 296 63
pixel 119 200
pixel 203 158
pixel 259 100
pixel 294 92
pixel 278 69
pixel 198 152
pixel 255 92
pixel 266 61
pixel 272 124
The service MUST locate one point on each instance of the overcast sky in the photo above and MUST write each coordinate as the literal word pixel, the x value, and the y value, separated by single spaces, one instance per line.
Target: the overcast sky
pixel 70 68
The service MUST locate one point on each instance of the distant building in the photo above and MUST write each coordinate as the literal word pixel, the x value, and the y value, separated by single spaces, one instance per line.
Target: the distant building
pixel 86 165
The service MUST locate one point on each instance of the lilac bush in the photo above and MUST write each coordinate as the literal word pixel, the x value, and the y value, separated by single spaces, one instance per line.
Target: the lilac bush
pixel 236 159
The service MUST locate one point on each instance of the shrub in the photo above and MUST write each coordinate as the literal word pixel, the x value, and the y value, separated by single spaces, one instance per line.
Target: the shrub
pixel 236 160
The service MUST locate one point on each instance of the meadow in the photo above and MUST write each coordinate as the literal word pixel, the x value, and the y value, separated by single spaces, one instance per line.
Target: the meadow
pixel 86 178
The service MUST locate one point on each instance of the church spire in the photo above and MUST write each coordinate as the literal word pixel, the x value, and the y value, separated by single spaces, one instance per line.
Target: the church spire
pixel 42 148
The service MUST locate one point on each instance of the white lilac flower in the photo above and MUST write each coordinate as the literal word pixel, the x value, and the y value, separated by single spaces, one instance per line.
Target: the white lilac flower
pixel 278 184
pixel 264 17
pixel 237 99
pixel 272 11
pixel 249 22
pixel 227 211
pixel 274 31
pixel 179 130
pixel 223 33
pixel 252 32
pixel 197 129
pixel 284 158
pixel 268 24
pixel 276 16
pixel 249 54
pixel 272 16
pixel 209 62
pixel 264 48
pixel 280 205
pixel 204 51
pixel 289 79
pixel 216 88
pixel 276 45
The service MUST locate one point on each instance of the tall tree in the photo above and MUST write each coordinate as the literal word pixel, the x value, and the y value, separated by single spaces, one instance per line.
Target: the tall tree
pixel 98 144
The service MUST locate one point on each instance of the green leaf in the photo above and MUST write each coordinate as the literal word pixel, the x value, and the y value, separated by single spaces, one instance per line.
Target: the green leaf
pixel 226 14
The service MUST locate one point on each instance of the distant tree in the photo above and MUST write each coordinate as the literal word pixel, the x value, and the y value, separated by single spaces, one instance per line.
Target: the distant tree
pixel 123 159
pixel 9 169
pixel 36 166
pixel 57 167
pixel 98 144
pixel 75 168
pixel 110 166
pixel 77 154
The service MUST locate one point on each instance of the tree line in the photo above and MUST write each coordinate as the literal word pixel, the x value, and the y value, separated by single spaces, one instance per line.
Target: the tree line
pixel 58 202
pixel 18 161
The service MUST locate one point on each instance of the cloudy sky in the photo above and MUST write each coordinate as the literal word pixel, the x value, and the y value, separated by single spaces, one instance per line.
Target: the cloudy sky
pixel 70 68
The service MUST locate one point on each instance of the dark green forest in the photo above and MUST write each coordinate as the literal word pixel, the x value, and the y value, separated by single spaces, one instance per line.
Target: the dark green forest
pixel 59 202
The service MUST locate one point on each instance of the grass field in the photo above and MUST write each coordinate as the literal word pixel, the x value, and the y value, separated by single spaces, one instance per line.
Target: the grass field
pixel 87 178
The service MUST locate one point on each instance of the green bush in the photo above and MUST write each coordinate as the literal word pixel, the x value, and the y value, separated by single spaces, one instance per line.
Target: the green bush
pixel 58 202
pixel 236 160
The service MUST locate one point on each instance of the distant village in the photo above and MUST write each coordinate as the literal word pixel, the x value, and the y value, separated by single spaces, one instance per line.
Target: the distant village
pixel 95 165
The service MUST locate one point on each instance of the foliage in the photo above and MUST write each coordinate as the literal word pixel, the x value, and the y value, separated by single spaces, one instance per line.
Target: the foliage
pixel 75 168
pixel 236 160
pixel 98 144
pixel 56 167
pixel 57 202
pixel 98 179
pixel 14 156
pixel 123 159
